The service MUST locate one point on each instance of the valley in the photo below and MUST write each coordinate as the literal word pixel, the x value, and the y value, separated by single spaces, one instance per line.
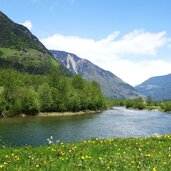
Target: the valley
pixel 67 95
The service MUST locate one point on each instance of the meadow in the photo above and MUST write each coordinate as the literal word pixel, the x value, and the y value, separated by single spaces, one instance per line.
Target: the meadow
pixel 150 153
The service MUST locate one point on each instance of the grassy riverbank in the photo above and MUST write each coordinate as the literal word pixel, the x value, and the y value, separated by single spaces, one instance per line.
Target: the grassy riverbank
pixel 152 153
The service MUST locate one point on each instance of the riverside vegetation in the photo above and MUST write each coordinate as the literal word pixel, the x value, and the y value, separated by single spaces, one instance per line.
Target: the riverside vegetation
pixel 53 92
pixel 140 103
pixel 150 153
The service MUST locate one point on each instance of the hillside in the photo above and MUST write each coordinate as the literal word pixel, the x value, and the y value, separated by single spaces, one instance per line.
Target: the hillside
pixel 21 50
pixel 158 88
pixel 111 85
pixel 32 81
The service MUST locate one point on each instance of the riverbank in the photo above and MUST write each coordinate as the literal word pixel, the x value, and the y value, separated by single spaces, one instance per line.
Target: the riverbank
pixel 152 153
pixel 56 114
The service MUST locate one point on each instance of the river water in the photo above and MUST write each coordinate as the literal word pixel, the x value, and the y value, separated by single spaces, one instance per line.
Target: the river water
pixel 118 122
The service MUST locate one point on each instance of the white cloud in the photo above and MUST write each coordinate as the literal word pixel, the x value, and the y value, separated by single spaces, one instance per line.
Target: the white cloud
pixel 27 24
pixel 135 73
pixel 140 42
pixel 110 53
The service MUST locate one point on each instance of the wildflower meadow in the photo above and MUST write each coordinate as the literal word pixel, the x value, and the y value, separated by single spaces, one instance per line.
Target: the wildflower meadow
pixel 151 153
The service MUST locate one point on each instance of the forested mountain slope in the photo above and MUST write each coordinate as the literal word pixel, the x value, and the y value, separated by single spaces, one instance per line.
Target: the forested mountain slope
pixel 21 50
pixel 32 81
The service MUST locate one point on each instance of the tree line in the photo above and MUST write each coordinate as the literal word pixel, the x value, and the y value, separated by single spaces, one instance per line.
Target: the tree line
pixel 54 92
pixel 143 103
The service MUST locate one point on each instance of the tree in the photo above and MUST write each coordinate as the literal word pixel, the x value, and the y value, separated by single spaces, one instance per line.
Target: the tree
pixel 137 103
pixel 29 101
pixel 45 97
pixel 149 101
pixel 78 82
pixel 166 106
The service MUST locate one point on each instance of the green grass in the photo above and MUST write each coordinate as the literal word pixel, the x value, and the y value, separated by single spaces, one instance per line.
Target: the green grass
pixel 28 60
pixel 54 63
pixel 7 52
pixel 152 153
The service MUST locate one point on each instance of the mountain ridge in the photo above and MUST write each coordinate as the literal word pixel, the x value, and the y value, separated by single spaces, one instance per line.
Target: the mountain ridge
pixel 157 87
pixel 111 85
pixel 14 35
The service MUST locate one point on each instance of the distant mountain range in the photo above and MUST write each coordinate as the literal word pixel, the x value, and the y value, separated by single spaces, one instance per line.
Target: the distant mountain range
pixel 158 88
pixel 111 85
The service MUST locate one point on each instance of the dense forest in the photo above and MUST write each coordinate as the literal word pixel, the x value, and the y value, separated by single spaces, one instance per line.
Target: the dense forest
pixel 53 92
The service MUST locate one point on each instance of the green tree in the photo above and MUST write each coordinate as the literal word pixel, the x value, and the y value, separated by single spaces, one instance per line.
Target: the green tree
pixel 29 101
pixel 137 103
pixel 165 105
pixel 45 97
pixel 149 101
pixel 78 82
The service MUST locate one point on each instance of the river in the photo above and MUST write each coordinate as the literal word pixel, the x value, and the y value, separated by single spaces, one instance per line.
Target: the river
pixel 118 122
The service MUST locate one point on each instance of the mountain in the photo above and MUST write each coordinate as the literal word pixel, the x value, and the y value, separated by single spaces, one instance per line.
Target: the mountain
pixel 158 88
pixel 21 50
pixel 111 85
pixel 32 81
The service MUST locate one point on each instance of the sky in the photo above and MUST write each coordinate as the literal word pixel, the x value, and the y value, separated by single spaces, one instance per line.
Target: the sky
pixel 130 38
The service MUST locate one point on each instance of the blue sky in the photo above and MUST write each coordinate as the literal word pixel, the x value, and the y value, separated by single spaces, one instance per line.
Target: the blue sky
pixel 131 38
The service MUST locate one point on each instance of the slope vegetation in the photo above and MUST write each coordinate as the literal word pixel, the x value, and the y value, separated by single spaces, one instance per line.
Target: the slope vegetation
pixel 21 50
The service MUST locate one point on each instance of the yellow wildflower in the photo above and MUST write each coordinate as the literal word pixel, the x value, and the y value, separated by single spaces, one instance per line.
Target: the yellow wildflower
pixel 154 169
pixel 1 166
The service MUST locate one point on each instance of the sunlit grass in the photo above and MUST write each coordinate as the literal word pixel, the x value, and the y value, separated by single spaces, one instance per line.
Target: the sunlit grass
pixel 6 52
pixel 152 153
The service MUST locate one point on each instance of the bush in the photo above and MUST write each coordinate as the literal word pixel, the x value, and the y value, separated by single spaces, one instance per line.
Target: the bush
pixel 166 105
